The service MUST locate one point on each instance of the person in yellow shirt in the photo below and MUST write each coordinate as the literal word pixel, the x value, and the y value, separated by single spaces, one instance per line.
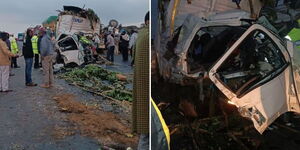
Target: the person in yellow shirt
pixel 15 50
pixel 34 41
pixel 294 35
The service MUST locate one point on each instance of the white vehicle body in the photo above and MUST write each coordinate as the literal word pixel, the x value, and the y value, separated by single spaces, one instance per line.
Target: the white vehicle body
pixel 70 24
pixel 70 49
pixel 267 89
pixel 273 95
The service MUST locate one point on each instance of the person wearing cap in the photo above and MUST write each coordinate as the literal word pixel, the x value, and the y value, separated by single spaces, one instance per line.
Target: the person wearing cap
pixel 28 55
pixel 47 52
pixel 140 104
pixel 5 56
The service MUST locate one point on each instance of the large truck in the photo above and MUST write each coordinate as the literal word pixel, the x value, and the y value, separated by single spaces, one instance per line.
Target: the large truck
pixel 72 23
pixel 74 19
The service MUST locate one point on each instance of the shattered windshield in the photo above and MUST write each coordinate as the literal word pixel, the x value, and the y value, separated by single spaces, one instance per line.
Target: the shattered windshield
pixel 256 59
pixel 67 44
pixel 62 36
pixel 209 44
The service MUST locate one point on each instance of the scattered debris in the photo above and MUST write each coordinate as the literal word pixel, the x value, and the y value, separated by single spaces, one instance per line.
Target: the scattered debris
pixel 100 81
pixel 65 105
pixel 121 77
pixel 188 108
pixel 106 127
pixel 62 132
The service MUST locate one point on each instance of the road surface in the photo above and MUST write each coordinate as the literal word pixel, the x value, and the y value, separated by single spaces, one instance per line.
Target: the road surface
pixel 29 115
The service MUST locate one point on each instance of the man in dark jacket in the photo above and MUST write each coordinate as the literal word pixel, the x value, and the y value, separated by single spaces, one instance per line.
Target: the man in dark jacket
pixel 123 45
pixel 28 55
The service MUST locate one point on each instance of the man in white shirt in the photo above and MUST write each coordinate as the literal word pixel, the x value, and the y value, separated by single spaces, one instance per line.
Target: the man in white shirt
pixel 132 40
pixel 110 47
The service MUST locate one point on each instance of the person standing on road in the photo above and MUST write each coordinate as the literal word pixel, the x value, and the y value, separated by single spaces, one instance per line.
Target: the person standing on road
pixel 132 40
pixel 5 56
pixel 14 50
pixel 7 41
pixel 116 37
pixel 140 104
pixel 124 42
pixel 39 44
pixel 110 47
pixel 47 51
pixel 96 39
pixel 34 41
pixel 28 55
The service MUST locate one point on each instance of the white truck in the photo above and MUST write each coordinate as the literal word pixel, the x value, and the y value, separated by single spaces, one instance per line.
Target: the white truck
pixel 71 21
pixel 238 52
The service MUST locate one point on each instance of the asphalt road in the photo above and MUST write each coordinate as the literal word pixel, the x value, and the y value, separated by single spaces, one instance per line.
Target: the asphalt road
pixel 28 115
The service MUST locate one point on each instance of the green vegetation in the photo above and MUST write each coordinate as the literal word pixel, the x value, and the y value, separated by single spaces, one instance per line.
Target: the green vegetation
pixel 98 80
pixel 118 94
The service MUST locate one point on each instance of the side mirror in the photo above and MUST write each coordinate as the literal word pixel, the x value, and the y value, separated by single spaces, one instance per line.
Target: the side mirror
pixel 290 47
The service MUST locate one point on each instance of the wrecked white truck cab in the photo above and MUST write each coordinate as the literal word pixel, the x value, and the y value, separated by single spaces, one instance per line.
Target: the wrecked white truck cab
pixel 72 21
pixel 248 62
pixel 70 50
pixel 262 84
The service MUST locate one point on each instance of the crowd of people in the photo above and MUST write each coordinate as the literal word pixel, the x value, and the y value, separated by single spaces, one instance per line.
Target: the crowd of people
pixel 38 50
pixel 120 43
pixel 38 44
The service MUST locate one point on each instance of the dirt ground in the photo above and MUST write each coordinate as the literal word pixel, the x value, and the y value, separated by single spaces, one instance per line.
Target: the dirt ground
pixel 30 119
pixel 106 127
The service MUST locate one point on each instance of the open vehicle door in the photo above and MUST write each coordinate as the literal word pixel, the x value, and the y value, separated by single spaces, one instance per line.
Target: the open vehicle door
pixel 256 75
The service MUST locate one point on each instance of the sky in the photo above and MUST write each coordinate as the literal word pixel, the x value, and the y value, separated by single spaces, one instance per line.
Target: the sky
pixel 17 15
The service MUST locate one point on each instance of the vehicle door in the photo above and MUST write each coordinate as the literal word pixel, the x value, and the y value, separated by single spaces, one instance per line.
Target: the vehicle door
pixel 256 75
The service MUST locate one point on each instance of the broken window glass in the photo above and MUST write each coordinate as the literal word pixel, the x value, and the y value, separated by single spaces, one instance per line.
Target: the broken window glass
pixel 68 44
pixel 62 36
pixel 257 59
pixel 209 44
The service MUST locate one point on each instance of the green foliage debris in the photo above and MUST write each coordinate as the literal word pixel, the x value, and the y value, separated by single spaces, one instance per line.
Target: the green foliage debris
pixel 98 80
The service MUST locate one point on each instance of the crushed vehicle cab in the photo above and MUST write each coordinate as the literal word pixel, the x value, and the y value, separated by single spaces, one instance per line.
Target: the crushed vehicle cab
pixel 71 51
pixel 71 24
pixel 244 58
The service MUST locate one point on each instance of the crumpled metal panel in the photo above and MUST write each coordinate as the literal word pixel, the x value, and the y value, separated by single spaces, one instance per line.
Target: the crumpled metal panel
pixel 204 8
pixel 175 68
